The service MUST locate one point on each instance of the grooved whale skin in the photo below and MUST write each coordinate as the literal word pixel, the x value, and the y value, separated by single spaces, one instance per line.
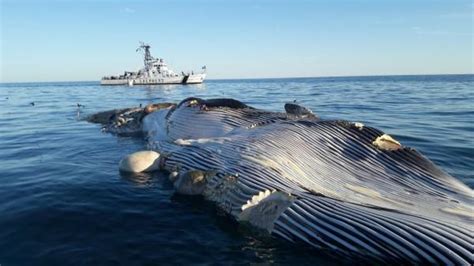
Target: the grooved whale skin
pixel 349 196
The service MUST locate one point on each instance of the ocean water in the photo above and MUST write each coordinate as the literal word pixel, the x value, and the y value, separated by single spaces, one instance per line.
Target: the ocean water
pixel 63 200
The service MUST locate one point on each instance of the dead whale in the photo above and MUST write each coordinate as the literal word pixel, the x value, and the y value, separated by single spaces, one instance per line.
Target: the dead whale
pixel 335 185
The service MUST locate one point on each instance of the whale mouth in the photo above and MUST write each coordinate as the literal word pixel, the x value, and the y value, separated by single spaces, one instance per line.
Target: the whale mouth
pixel 332 184
pixel 127 121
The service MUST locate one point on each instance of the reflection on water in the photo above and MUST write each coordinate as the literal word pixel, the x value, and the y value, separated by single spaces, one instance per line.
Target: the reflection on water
pixel 167 89
pixel 138 179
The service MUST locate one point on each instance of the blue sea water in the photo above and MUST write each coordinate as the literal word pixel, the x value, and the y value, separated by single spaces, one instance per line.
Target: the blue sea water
pixel 63 200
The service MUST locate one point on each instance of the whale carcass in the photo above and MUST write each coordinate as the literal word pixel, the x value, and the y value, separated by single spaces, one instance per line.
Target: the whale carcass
pixel 335 185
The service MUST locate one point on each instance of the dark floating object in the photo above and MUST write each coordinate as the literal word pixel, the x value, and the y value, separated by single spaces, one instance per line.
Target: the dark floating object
pixel 298 111
pixel 334 185
pixel 32 103
pixel 80 105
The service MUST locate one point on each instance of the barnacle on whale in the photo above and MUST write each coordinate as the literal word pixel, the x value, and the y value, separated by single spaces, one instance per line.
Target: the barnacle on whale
pixel 359 125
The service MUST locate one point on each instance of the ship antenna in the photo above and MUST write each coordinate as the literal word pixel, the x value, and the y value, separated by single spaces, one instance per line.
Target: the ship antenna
pixel 145 48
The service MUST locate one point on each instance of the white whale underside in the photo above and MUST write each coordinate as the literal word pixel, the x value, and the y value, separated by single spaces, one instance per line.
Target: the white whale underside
pixel 325 183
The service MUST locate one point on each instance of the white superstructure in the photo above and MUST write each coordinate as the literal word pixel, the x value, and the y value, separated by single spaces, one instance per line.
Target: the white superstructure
pixel 154 72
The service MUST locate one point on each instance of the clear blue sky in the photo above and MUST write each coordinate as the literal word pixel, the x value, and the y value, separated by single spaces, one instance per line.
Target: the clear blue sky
pixel 85 40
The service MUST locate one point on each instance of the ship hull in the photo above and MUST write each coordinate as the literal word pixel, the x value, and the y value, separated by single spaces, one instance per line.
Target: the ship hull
pixel 191 79
pixel 195 78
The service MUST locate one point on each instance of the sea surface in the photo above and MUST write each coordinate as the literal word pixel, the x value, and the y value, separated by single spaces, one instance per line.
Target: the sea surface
pixel 64 202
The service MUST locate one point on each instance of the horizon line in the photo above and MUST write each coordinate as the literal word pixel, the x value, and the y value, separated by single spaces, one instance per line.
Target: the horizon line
pixel 247 78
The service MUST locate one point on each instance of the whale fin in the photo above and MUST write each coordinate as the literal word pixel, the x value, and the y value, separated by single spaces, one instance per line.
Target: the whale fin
pixel 264 209
pixel 294 110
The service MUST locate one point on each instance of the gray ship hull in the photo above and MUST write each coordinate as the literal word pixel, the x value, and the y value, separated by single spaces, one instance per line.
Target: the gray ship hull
pixel 191 79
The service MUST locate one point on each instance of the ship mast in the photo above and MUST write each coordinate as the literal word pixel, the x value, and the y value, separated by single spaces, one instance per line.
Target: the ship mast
pixel 147 58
